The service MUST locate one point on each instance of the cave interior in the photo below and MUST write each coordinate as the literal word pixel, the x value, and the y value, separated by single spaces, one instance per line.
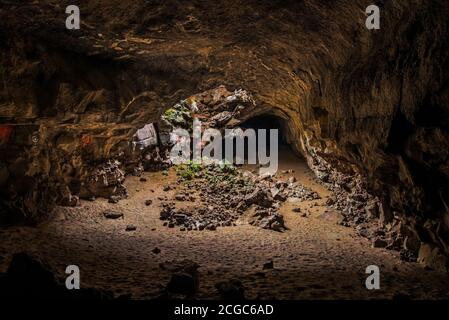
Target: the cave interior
pixel 87 118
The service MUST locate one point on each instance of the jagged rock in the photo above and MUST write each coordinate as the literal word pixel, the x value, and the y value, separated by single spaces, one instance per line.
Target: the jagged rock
pixel 260 197
pixel 105 181
pixel 432 257
pixel 268 219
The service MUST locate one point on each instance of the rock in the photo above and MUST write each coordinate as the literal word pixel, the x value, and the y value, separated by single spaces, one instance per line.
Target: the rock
pixel 268 219
pixel 71 201
pixel 130 227
pixel 268 265
pixel 106 180
pixel 260 197
pixel 148 202
pixel 330 201
pixel 379 243
pixel 184 279
pixel 156 250
pixel 231 290
pixel 114 199
pixel 430 256
pixel 372 210
pixel 29 277
pixel 166 188
pixel 143 179
pixel 182 283
pixel 180 197
pixel 137 171
pixel 112 214
pixel 297 210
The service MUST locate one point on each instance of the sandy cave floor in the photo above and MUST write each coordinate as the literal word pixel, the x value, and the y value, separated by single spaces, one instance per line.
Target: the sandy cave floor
pixel 315 259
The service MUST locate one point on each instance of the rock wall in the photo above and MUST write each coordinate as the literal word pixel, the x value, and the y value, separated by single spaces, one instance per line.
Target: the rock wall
pixel 373 103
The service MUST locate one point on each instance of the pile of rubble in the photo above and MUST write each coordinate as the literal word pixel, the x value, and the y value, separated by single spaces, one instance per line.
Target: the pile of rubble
pixel 216 108
pixel 225 194
pixel 365 212
pixel 106 181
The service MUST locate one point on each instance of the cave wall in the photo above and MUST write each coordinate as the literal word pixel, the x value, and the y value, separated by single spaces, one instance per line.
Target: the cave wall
pixel 375 102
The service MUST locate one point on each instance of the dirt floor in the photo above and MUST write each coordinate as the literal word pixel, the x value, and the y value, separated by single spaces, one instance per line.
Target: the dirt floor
pixel 315 259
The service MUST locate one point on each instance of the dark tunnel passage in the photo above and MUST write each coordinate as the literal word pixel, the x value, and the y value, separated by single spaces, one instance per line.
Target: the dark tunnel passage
pixel 271 122
pixel 268 121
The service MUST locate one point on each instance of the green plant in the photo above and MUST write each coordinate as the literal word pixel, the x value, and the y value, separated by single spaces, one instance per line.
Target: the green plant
pixel 189 170
pixel 178 115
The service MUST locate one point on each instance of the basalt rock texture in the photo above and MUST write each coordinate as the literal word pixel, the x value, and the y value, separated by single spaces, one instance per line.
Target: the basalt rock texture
pixel 371 103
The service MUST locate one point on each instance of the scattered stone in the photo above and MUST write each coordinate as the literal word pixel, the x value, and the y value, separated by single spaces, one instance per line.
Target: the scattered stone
pixel 268 219
pixel 330 201
pixel 108 214
pixel 131 227
pixel 138 170
pixel 114 199
pixel 180 197
pixel 268 265
pixel 142 179
pixel 225 194
pixel 156 250
pixel 148 202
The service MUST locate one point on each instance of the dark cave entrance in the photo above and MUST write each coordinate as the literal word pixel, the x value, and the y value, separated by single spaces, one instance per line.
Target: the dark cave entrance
pixel 268 122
